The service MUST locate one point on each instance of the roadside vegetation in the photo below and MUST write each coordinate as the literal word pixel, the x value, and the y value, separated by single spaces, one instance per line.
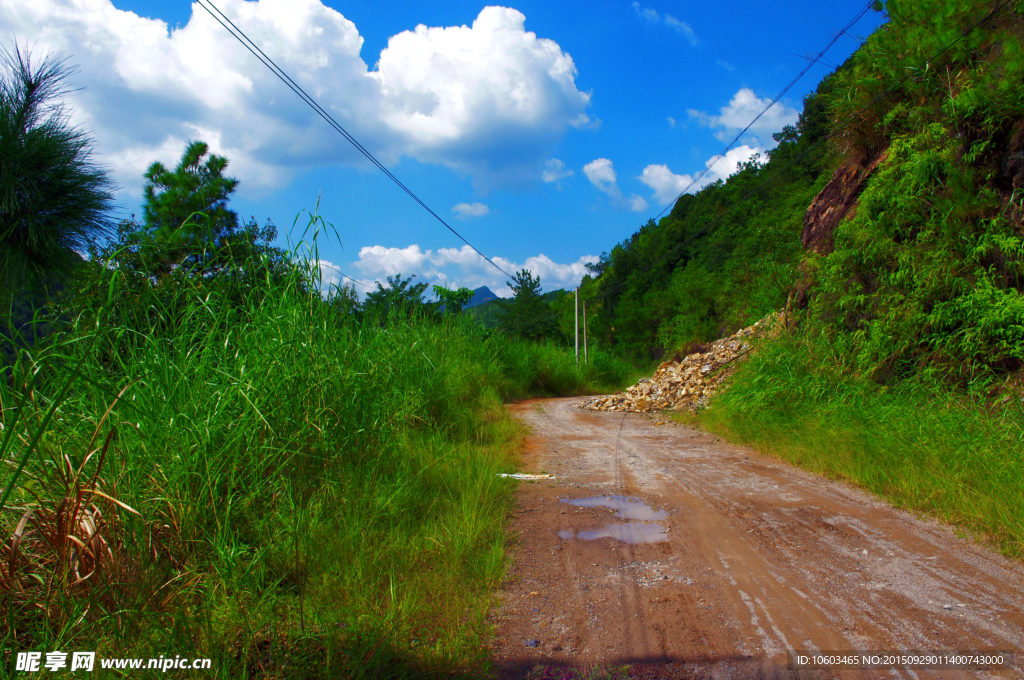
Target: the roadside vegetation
pixel 901 367
pixel 210 453
pixel 237 470
pixel 920 445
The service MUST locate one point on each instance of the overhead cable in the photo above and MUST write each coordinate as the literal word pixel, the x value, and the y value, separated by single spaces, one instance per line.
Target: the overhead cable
pixel 778 172
pixel 239 35
pixel 773 102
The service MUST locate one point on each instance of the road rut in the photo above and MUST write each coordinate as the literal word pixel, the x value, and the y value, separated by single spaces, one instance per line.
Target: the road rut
pixel 761 558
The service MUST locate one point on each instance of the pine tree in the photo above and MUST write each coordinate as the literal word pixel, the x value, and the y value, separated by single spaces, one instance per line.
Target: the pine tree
pixel 528 315
pixel 54 200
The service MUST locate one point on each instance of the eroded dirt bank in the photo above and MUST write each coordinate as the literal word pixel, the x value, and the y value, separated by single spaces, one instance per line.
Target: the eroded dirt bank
pixel 759 558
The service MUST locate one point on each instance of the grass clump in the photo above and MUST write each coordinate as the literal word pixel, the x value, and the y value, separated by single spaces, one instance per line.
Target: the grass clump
pixel 916 444
pixel 230 467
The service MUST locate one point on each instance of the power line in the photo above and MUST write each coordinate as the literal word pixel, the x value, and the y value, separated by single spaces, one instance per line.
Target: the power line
pixel 778 172
pixel 358 283
pixel 773 102
pixel 246 42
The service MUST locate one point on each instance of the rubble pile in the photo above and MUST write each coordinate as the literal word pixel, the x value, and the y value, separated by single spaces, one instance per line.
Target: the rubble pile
pixel 687 384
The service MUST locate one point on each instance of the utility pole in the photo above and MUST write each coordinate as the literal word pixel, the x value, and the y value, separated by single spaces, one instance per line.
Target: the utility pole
pixel 577 299
pixel 585 359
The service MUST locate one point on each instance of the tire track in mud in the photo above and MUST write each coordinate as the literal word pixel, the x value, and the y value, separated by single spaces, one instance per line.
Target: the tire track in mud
pixel 635 639
pixel 760 559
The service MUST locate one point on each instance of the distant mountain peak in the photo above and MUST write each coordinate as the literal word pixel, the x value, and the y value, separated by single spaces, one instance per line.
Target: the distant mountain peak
pixel 481 295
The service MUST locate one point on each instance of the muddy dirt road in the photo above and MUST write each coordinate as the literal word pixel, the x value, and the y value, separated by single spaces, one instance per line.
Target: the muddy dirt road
pixel 740 559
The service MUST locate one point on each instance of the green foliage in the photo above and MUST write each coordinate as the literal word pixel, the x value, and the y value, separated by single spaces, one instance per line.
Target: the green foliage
pixel 344 299
pixel 317 491
pixel 927 276
pixel 401 296
pixel 187 224
pixel 916 444
pixel 185 210
pixel 488 314
pixel 527 315
pixel 452 301
pixel 53 198
pixel 147 257
pixel 550 369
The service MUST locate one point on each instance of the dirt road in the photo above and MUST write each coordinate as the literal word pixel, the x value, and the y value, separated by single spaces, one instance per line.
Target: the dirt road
pixel 748 558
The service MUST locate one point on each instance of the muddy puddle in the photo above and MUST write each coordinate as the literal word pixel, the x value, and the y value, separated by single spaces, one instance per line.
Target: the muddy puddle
pixel 630 532
pixel 637 531
pixel 628 508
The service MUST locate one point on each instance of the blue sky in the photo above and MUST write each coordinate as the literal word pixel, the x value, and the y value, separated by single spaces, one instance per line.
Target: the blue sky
pixel 543 150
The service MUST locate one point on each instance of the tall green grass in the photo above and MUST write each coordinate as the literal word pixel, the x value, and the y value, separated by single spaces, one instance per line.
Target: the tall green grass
pixel 920 446
pixel 548 369
pixel 236 470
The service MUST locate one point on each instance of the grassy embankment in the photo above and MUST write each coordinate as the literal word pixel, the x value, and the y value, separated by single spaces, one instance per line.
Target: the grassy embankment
pixel 904 372
pixel 298 493
pixel 920 447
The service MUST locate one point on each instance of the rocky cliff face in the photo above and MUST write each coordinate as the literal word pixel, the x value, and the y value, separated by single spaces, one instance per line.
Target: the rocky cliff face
pixel 837 200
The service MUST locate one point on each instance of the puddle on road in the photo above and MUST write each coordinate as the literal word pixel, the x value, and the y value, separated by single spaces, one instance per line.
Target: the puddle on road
pixel 626 508
pixel 630 532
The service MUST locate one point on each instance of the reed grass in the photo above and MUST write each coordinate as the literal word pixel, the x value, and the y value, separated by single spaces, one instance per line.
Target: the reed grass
pixel 237 470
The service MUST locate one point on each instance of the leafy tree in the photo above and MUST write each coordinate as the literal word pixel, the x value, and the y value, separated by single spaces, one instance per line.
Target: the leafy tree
pixel 173 198
pixel 344 299
pixel 452 301
pixel 185 214
pixel 53 199
pixel 528 315
pixel 400 296
pixel 188 226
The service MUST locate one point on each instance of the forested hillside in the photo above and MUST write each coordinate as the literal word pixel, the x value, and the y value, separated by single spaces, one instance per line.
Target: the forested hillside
pixel 889 224
pixel 720 258
pixel 889 219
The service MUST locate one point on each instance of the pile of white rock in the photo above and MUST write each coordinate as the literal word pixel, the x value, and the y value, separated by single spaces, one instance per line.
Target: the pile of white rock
pixel 687 384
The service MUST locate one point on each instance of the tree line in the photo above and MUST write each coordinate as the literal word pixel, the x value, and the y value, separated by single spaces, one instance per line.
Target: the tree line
pixel 57 233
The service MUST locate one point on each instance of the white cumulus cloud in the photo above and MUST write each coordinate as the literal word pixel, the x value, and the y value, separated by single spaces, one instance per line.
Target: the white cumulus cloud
pixel 471 210
pixel 743 108
pixel 462 267
pixel 666 184
pixel 601 174
pixel 637 203
pixel 490 99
